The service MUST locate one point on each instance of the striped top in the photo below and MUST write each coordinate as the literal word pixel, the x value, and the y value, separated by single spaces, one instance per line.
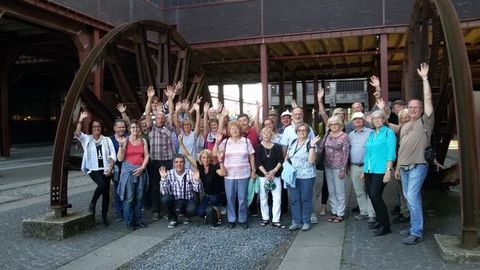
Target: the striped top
pixel 236 159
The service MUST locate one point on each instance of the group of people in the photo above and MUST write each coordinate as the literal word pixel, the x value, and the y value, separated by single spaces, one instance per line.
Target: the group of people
pixel 192 164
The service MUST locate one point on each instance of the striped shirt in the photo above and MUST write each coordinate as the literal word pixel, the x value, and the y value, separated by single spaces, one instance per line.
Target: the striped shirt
pixel 161 147
pixel 236 158
pixel 180 186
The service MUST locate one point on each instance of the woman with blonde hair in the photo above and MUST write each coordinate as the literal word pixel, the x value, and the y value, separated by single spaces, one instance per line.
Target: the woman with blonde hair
pixel 269 158
pixel 237 154
pixel 211 176
pixel 336 145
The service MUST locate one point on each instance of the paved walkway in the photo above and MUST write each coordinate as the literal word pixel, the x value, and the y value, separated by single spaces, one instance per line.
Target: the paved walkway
pixel 326 246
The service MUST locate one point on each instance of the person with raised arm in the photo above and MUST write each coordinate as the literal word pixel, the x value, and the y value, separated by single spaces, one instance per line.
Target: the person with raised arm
pixel 411 163
pixel 98 160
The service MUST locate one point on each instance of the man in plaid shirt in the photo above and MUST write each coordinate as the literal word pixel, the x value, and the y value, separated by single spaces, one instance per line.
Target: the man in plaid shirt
pixel 161 147
pixel 178 186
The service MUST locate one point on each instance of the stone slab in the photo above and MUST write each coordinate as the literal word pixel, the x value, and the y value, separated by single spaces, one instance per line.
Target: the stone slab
pixel 51 228
pixel 451 252
pixel 5 199
pixel 119 252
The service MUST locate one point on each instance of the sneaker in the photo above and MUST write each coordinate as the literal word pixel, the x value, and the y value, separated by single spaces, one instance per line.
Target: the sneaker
pixel 118 219
pixel 156 216
pixel 360 217
pixel 372 220
pixel 186 221
pixel 294 227
pixel 314 219
pixel 404 233
pixel 172 224
pixel 244 225
pixel 231 225
pixel 412 240
pixel 306 227
pixel 356 210
pixel 141 225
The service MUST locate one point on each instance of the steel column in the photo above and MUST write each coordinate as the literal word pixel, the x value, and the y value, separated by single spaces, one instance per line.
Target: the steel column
pixel 384 65
pixel 240 97
pixel 466 120
pixel 264 77
pixel 281 87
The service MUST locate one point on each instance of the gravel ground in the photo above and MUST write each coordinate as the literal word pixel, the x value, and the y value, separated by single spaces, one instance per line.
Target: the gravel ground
pixel 200 246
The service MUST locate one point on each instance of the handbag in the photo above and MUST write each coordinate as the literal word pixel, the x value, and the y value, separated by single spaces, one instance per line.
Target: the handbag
pixel 320 162
pixel 429 153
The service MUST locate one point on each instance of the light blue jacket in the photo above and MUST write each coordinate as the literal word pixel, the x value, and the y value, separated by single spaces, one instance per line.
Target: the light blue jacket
pixel 379 148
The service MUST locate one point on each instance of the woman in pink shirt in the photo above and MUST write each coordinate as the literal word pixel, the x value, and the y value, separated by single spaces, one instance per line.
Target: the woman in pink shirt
pixel 133 153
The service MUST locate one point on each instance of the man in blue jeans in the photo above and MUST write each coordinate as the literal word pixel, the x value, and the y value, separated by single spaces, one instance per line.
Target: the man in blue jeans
pixel 412 166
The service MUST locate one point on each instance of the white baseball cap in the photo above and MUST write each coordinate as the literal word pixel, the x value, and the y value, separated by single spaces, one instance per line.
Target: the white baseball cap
pixel 358 115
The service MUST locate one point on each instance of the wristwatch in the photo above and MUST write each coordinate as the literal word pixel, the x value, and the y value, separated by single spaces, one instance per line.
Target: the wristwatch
pixel 389 169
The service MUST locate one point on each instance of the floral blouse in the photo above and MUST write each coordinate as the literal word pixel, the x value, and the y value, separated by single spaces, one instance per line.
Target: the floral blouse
pixel 336 151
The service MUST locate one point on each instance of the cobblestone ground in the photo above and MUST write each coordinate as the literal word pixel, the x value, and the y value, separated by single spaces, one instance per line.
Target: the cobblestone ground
pixel 204 247
pixel 16 252
pixel 362 251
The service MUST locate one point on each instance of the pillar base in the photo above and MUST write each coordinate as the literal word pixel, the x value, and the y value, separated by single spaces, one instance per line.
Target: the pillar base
pixel 51 228
pixel 452 252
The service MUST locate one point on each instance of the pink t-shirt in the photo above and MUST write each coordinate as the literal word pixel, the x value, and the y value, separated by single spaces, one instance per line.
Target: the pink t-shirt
pixel 236 159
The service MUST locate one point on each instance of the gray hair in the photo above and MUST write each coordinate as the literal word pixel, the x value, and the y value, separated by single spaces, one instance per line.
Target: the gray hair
pixel 378 113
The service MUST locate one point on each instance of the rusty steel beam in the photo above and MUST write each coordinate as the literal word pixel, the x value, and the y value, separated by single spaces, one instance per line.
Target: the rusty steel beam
pixel 61 153
pixel 466 121
pixel 384 65
pixel 264 77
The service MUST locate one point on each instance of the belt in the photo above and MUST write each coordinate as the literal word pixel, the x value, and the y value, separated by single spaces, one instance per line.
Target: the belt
pixel 358 164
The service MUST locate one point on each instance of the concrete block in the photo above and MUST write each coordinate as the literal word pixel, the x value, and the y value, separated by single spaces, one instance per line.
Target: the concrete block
pixel 51 228
pixel 451 252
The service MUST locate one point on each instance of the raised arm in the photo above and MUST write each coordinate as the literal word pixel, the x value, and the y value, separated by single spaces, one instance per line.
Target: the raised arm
pixel 148 106
pixel 206 128
pixel 123 111
pixel 196 107
pixel 427 91
pixel 256 118
pixel 221 121
pixel 176 122
pixel 78 129
pixel 321 108
pixel 122 142
pixel 170 93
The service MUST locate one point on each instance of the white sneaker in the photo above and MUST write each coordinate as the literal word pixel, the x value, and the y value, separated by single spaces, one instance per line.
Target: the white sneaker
pixel 306 227
pixel 172 224
pixel 186 221
pixel 314 219
pixel 294 227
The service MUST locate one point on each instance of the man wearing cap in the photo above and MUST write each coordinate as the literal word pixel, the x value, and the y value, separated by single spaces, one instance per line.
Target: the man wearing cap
pixel 397 106
pixel 289 133
pixel 358 137
pixel 285 120
pixel 356 107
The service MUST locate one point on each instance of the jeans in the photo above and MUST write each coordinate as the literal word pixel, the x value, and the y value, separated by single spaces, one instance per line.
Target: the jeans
pixel 336 191
pixel 301 200
pixel 364 202
pixel 133 202
pixel 175 207
pixel 412 181
pixel 214 200
pixel 277 199
pixel 116 201
pixel 375 186
pixel 236 188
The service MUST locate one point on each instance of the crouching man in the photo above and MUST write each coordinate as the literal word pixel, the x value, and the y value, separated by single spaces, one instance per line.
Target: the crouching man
pixel 178 187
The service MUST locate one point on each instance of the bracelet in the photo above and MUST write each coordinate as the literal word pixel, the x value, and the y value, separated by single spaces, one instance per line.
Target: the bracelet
pixel 312 147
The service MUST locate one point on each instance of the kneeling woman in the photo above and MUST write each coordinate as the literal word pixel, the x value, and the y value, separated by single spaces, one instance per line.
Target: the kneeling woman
pixel 379 156
pixel 133 153
pixel 98 160
pixel 212 181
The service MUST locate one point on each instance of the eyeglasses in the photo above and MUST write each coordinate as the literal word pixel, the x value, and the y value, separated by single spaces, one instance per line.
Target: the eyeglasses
pixel 302 130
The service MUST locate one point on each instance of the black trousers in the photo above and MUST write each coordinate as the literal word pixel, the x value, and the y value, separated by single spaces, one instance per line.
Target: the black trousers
pixel 103 189
pixel 155 181
pixel 374 185
pixel 324 189
pixel 174 207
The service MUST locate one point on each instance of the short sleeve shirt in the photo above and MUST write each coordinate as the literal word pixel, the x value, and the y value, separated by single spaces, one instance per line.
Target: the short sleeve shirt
pixel 236 159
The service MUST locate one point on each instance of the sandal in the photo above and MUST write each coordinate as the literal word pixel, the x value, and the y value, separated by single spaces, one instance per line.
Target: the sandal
pixel 332 218
pixel 264 222
pixel 338 219
pixel 278 225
